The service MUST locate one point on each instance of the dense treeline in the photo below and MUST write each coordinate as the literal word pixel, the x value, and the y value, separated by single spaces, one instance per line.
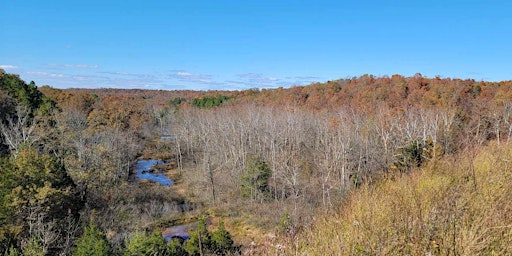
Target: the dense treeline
pixel 38 198
pixel 312 145
pixel 65 167
pixel 209 102
pixel 366 135
pixel 265 160
pixel 66 157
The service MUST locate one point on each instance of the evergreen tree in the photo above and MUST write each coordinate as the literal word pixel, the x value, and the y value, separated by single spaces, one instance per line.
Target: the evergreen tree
pixel 12 252
pixel 21 93
pixel 409 156
pixel 209 102
pixel 255 180
pixel 176 248
pixel 34 248
pixel 200 239
pixel 140 244
pixel 92 243
pixel 222 240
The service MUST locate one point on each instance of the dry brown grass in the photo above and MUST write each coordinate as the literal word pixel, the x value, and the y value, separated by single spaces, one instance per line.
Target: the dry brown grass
pixel 459 206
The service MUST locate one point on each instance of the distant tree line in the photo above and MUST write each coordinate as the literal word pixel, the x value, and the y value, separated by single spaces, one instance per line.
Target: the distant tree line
pixel 66 155
pixel 208 101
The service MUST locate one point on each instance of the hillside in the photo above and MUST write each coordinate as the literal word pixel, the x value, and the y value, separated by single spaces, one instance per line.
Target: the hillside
pixel 273 169
pixel 461 205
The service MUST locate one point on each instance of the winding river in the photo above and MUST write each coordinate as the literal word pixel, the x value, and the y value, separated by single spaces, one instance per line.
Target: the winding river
pixel 144 171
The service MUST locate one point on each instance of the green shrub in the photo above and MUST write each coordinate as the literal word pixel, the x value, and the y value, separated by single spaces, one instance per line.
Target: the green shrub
pixel 92 243
pixel 222 239
pixel 140 244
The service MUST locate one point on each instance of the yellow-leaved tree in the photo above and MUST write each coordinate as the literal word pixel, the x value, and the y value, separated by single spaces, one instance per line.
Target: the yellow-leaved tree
pixel 37 195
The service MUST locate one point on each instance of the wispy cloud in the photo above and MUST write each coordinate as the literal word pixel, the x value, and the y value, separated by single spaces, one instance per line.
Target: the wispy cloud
pixel 45 74
pixel 251 80
pixel 77 66
pixel 8 67
pixel 127 74
pixel 304 80
pixel 93 76
pixel 308 78
pixel 120 80
pixel 258 78
pixel 185 76
pixel 95 80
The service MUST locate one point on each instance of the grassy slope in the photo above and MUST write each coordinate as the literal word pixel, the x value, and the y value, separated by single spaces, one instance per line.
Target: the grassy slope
pixel 459 206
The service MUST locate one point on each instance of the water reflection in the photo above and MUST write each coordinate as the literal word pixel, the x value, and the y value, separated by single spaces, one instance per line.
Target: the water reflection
pixel 181 232
pixel 143 172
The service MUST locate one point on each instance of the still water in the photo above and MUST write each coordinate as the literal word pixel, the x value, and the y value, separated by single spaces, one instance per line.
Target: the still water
pixel 143 172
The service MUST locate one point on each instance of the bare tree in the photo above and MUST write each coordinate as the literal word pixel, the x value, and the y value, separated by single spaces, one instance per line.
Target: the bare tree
pixel 19 129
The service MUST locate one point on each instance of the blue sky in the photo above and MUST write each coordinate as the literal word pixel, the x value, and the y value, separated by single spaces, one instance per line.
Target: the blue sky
pixel 236 45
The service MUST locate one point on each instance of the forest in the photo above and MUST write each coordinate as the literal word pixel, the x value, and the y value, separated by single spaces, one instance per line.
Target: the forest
pixel 358 166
